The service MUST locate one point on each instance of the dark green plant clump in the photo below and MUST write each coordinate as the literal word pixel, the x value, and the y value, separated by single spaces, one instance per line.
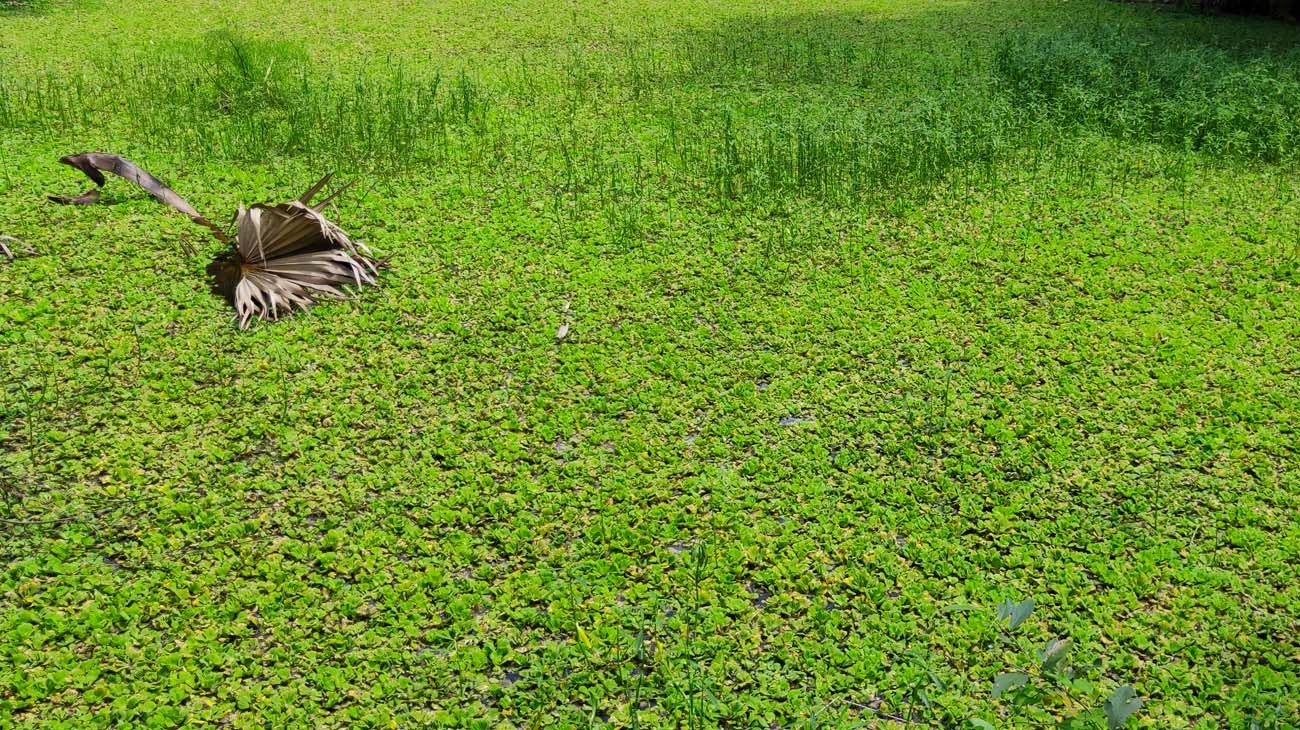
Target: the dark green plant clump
pixel 1196 97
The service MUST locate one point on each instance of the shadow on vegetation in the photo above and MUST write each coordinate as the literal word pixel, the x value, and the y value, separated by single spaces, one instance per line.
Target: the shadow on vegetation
pixel 12 8
pixel 1180 94
pixel 883 106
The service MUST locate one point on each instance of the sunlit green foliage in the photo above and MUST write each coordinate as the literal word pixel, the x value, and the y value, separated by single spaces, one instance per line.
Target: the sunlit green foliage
pixel 879 314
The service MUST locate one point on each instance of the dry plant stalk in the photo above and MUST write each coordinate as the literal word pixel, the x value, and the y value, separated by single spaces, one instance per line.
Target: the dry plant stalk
pixel 4 246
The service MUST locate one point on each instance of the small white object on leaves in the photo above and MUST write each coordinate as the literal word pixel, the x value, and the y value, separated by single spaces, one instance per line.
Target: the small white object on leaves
pixel 563 331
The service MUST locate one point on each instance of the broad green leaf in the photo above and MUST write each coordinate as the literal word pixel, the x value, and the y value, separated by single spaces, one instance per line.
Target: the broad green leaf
pixel 1122 703
pixel 1007 682
pixel 1052 654
pixel 1016 613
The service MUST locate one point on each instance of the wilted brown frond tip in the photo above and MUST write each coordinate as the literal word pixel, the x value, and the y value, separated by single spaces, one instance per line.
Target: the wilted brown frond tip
pixel 91 163
pixel 283 257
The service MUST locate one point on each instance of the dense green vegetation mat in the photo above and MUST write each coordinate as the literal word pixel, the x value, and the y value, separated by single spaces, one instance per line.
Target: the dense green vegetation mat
pixel 880 314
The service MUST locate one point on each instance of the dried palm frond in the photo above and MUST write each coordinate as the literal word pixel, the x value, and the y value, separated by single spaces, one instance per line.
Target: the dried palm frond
pixel 287 256
pixel 283 256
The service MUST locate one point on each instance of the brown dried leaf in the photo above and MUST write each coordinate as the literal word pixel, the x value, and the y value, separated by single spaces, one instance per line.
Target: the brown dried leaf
pixel 268 231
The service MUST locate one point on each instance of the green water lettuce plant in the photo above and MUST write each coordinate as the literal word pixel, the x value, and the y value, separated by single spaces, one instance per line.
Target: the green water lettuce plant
pixel 282 257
